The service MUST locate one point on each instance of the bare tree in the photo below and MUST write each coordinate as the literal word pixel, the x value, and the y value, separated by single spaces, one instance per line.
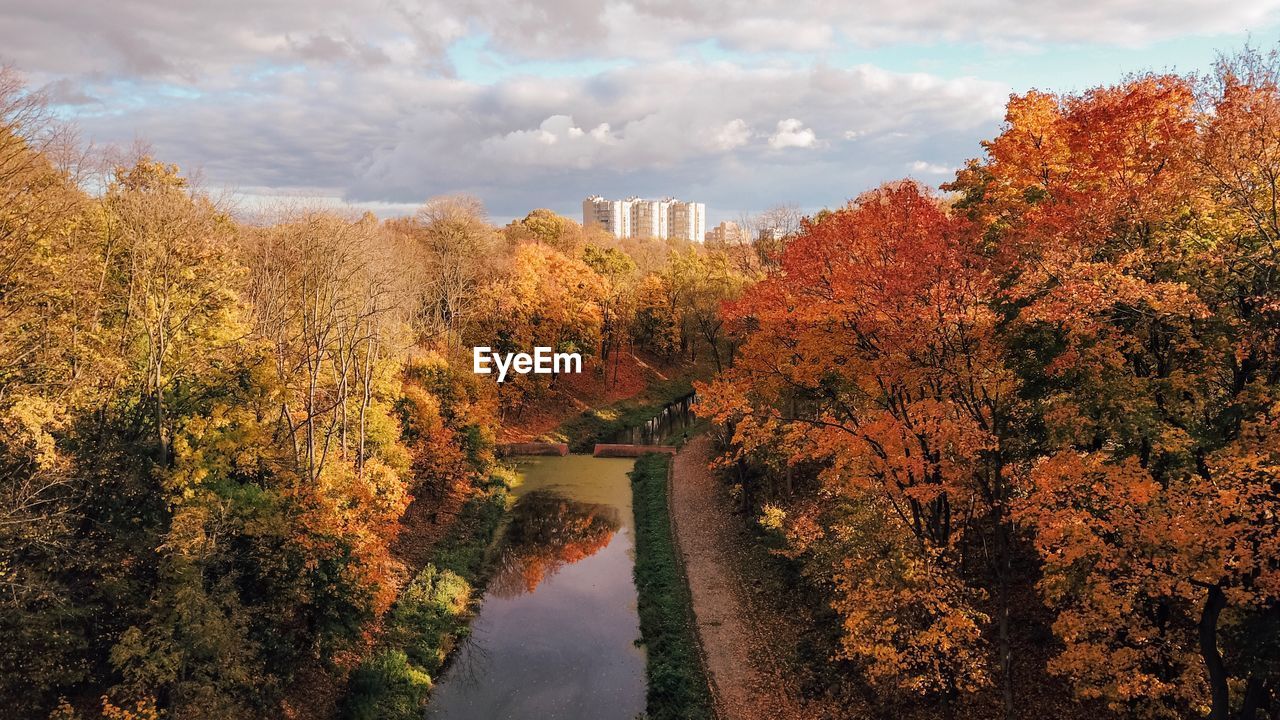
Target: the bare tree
pixel 327 296
pixel 457 246
pixel 763 235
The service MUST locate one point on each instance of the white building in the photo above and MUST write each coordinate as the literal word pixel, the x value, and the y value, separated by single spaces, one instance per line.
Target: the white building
pixel 650 218
pixel 612 215
pixel 634 217
pixel 687 220
pixel 726 233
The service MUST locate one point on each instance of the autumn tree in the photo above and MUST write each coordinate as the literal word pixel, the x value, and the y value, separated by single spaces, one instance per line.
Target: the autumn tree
pixel 1129 225
pixel 700 282
pixel 208 432
pixel 449 251
pixel 658 321
pixel 545 227
pixel 48 353
pixel 617 310
pixel 545 299
pixel 870 351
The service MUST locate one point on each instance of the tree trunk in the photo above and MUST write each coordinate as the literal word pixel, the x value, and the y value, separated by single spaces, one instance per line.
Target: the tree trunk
pixel 1254 692
pixel 162 439
pixel 1219 690
pixel 1006 647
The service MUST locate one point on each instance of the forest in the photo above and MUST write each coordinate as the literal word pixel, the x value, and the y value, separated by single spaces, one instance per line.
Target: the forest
pixel 1024 435
pixel 213 427
pixel 1010 445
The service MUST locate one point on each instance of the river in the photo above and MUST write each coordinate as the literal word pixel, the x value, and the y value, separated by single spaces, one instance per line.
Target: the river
pixel 556 634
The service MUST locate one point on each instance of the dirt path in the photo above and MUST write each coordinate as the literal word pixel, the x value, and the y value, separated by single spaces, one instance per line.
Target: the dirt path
pixel 742 636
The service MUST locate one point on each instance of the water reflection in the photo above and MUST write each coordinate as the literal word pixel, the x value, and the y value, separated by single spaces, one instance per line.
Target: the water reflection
pixel 555 637
pixel 674 418
pixel 548 531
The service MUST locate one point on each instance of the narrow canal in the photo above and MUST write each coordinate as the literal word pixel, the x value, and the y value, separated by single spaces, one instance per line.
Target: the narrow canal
pixel 556 634
pixel 674 418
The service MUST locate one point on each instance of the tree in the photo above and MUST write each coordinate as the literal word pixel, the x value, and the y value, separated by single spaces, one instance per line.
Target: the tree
pixel 701 282
pixel 454 244
pixel 1130 260
pixel 177 278
pixel 208 434
pixel 546 299
pixel 544 227
pixel 871 352
pixel 618 271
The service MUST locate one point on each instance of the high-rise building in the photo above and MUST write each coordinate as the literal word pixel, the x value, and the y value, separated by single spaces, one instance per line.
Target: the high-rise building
pixel 726 233
pixel 687 220
pixel 650 218
pixel 612 215
pixel 634 217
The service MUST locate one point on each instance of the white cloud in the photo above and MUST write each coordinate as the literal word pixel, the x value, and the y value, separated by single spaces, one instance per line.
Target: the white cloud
pixel 199 43
pixel 557 141
pixel 929 168
pixel 792 133
pixel 690 129
pixel 361 102
pixel 733 134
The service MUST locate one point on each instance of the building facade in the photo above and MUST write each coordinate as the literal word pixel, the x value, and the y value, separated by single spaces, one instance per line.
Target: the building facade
pixel 634 217
pixel 726 233
pixel 687 220
pixel 613 216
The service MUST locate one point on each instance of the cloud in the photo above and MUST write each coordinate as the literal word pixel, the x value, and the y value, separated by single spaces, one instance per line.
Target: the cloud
pixel 733 134
pixel 928 168
pixel 557 142
pixel 65 91
pixel 198 42
pixel 792 134
pixel 363 103
pixel 394 137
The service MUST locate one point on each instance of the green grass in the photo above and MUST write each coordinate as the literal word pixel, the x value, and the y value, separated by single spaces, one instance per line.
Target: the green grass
pixel 602 424
pixel 428 620
pixel 678 687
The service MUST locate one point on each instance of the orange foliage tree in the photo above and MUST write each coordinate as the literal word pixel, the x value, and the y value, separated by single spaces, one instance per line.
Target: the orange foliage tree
pixel 1133 230
pixel 870 351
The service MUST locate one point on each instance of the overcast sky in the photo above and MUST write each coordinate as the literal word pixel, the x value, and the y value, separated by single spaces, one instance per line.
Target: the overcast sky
pixel 741 104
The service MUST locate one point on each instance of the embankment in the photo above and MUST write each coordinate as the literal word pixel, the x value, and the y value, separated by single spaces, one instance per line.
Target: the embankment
pixel 678 687
pixel 429 618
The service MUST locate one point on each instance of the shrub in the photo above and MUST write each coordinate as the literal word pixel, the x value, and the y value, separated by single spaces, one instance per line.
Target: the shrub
pixel 387 686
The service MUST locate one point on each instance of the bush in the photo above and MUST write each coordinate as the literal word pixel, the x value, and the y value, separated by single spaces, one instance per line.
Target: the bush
pixel 428 618
pixel 429 615
pixel 387 686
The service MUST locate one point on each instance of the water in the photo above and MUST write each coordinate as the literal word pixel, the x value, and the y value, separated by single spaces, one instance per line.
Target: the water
pixel 555 636
pixel 672 419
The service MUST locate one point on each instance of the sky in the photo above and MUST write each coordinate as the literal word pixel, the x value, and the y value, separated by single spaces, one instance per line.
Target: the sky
pixel 741 104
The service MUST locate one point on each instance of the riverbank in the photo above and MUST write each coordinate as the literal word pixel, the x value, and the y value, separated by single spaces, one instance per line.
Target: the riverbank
pixel 602 425
pixel 678 687
pixel 430 617
pixel 594 406
pixel 749 628
pixel 631 377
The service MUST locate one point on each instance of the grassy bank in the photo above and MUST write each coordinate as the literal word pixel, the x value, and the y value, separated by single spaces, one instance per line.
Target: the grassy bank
pixel 602 424
pixel 429 618
pixel 678 687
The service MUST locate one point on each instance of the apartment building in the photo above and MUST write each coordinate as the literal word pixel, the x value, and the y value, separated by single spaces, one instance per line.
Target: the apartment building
pixel 726 233
pixel 635 217
pixel 687 220
pixel 612 215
